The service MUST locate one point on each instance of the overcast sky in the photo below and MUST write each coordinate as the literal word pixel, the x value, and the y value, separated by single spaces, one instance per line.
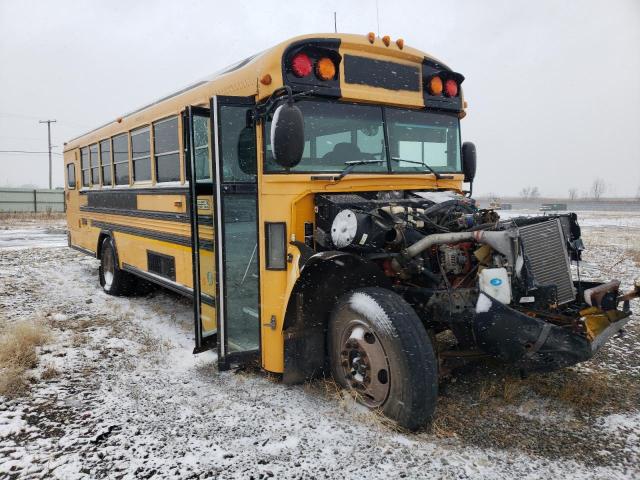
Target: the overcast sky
pixel 553 86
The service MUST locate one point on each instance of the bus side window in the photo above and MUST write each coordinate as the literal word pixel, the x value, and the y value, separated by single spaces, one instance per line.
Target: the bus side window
pixel 141 154
pixel 84 165
pixel 95 165
pixel 121 159
pixel 71 176
pixel 166 150
pixel 105 161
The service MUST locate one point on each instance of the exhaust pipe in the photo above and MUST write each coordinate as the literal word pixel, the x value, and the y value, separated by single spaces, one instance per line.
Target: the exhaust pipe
pixel 499 241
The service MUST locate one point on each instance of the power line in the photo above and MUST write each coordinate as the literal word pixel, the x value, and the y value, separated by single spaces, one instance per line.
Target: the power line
pixel 28 151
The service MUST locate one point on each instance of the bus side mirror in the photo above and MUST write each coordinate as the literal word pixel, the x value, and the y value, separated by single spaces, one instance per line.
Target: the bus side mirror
pixel 287 135
pixel 469 161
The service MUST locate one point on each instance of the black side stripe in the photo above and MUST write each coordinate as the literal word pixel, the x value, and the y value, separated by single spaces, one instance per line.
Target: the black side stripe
pixel 83 250
pixel 141 232
pixel 137 190
pixel 154 214
pixel 168 284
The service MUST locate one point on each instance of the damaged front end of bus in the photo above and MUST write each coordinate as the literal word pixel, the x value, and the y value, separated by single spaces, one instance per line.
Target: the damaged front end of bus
pixel 502 286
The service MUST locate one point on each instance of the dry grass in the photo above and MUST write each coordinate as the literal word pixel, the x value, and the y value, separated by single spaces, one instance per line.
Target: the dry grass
pixel 21 216
pixel 151 344
pixel 635 255
pixel 49 372
pixel 18 354
pixel 585 391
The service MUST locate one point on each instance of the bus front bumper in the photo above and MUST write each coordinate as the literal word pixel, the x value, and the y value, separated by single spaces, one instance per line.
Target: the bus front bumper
pixel 533 344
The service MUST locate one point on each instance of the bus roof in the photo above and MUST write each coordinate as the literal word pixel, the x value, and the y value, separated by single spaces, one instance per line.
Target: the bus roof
pixel 240 78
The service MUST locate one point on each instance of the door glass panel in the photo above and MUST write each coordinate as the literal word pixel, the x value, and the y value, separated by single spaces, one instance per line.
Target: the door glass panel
pixel 239 216
pixel 201 147
pixel 237 145
pixel 201 212
pixel 241 271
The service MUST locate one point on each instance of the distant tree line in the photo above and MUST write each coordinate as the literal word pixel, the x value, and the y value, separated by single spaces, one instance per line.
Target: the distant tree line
pixel 529 193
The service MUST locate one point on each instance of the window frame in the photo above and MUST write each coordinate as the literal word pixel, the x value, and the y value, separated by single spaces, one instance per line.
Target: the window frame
pixel 139 131
pixel 87 165
pixel 110 165
pixel 97 167
pixel 75 181
pixel 152 148
pixel 208 146
pixel 127 160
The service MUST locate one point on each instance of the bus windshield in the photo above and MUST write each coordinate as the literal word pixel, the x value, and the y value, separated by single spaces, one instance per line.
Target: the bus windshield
pixel 336 133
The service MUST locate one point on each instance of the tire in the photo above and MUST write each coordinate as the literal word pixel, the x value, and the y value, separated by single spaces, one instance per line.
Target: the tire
pixel 113 280
pixel 379 350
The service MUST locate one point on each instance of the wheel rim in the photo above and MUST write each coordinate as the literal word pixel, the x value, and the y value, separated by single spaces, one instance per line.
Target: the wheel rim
pixel 108 267
pixel 364 363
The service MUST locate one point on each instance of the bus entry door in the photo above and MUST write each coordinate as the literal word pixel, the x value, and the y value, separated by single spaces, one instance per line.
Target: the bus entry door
pixel 198 148
pixel 236 229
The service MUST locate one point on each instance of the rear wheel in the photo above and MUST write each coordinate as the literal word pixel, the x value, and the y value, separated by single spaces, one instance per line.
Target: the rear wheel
pixel 113 280
pixel 379 350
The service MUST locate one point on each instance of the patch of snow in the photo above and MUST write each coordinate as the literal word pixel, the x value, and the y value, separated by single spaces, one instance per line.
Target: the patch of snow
pixel 31 238
pixel 366 306
pixel 11 423
pixel 615 422
pixel 484 303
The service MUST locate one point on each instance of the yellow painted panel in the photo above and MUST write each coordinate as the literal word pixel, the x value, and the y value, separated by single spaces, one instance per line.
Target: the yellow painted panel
pixel 162 203
pixel 132 250
pixel 208 316
pixel 207 273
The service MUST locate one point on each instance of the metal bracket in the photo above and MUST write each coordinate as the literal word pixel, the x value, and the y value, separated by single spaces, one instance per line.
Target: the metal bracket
pixel 272 323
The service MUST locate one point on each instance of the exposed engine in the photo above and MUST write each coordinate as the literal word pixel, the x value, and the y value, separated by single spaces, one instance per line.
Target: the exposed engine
pixel 441 241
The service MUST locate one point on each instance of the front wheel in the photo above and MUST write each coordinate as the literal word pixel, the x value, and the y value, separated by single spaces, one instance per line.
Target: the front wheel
pixel 379 349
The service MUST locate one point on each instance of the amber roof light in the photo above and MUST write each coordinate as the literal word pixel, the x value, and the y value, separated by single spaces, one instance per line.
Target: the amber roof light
pixel 325 69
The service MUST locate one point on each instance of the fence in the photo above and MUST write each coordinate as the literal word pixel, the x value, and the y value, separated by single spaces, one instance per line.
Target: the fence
pixel 29 200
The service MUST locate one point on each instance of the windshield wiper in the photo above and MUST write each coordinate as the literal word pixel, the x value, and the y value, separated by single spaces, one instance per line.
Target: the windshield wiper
pixel 422 164
pixel 349 166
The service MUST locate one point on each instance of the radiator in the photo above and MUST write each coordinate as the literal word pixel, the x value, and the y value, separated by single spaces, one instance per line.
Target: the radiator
pixel 546 250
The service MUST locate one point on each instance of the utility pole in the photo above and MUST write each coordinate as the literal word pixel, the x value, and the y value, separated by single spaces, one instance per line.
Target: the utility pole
pixel 49 122
pixel 335 22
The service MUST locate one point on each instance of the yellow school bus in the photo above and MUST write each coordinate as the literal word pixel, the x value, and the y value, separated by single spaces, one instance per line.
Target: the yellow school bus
pixel 315 202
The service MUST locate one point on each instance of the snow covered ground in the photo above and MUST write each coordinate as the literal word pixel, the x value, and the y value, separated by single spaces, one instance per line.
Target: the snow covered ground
pixel 131 401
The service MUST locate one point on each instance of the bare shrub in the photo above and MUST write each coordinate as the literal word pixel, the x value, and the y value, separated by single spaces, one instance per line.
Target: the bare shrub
pixel 18 344
pixel 12 381
pixel 18 354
